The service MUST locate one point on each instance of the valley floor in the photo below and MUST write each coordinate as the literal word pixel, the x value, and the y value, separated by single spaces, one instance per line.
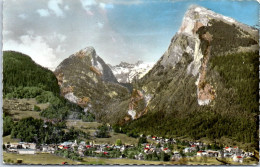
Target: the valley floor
pixel 11 158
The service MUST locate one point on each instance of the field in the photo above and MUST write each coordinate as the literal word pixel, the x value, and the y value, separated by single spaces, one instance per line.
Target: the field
pixel 17 115
pixel 84 126
pixel 53 159
pixel 93 160
pixel 92 126
pixel 25 103
pixel 114 136
pixel 37 159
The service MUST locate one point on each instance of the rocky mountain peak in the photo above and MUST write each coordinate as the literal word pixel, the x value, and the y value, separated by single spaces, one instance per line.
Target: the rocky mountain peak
pixel 87 50
pixel 88 53
pixel 124 64
pixel 203 35
pixel 197 16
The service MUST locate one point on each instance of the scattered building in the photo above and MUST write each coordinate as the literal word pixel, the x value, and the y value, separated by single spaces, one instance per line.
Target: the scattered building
pixel 26 151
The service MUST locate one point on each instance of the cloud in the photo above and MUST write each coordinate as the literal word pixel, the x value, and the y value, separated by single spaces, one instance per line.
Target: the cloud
pixel 43 12
pixel 54 6
pixel 124 2
pixel 7 32
pixel 60 49
pixel 100 25
pixel 66 7
pixel 22 16
pixel 56 36
pixel 106 6
pixel 34 46
pixel 86 4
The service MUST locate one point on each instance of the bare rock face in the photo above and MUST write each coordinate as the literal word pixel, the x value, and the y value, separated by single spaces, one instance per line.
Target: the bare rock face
pixel 181 80
pixel 204 85
pixel 85 79
pixel 204 34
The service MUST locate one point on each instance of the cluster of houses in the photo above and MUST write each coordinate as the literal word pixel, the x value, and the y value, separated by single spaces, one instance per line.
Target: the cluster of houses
pixel 162 140
pixel 30 148
pixel 228 152
pixel 98 148
pixel 21 148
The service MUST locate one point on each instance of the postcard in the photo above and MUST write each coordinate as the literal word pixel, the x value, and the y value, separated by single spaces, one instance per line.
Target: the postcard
pixel 130 82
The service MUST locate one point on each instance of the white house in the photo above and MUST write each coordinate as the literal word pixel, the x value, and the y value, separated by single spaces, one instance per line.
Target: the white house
pixel 146 150
pixel 228 149
pixel 201 153
pixel 29 145
pixel 166 150
pixel 26 151
pixel 187 150
pixel 238 159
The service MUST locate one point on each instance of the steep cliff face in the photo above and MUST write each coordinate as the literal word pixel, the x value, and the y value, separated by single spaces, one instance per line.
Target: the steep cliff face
pixel 204 85
pixel 85 79
pixel 202 35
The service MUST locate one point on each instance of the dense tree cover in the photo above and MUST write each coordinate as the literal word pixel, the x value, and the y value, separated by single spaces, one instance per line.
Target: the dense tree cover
pixel 68 154
pixel 47 96
pixel 226 37
pixel 142 140
pixel 20 70
pixel 102 132
pixel 23 78
pixel 36 130
pixel 240 73
pixel 87 117
pixel 175 110
pixel 8 124
pixel 198 125
pixel 24 92
pixel 55 112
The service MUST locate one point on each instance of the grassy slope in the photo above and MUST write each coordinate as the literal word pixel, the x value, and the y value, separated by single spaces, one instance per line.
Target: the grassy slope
pixel 17 114
pixel 92 126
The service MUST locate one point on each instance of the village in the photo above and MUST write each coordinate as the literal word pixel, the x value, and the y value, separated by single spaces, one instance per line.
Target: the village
pixel 160 149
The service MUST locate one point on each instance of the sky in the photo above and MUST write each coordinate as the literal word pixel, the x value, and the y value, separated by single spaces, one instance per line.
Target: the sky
pixel 120 30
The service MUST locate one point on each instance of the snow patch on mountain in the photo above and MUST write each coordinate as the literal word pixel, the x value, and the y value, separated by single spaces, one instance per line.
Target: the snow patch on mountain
pixel 126 72
pixel 71 97
pixel 132 113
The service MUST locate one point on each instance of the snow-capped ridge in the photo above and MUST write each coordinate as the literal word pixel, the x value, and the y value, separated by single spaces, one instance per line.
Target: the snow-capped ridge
pixel 126 72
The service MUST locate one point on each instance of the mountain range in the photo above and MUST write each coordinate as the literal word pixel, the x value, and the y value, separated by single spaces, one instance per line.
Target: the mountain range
pixel 126 72
pixel 204 86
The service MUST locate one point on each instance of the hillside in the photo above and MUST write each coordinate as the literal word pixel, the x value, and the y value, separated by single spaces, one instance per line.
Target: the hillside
pixel 86 80
pixel 20 70
pixel 205 85
pixel 32 99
